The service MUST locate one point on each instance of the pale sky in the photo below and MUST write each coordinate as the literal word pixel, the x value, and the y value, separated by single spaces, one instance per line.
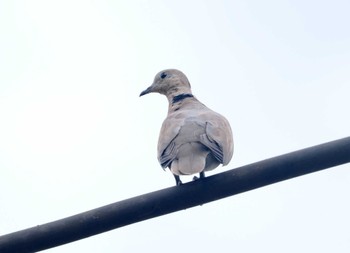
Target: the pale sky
pixel 74 135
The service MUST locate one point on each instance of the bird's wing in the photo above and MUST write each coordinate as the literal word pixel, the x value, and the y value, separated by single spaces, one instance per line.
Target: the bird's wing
pixel 218 136
pixel 166 146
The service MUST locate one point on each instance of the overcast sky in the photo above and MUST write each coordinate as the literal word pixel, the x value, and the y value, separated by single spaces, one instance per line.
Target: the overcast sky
pixel 74 135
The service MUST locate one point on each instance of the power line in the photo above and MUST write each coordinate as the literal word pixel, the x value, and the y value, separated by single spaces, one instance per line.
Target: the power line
pixel 177 198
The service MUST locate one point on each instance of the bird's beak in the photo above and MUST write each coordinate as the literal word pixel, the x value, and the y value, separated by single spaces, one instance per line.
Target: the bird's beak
pixel 146 91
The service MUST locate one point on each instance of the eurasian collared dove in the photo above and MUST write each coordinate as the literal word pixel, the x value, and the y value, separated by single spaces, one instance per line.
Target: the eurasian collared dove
pixel 193 138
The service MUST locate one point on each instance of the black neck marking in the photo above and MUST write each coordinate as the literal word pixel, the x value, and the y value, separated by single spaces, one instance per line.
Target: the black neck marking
pixel 180 97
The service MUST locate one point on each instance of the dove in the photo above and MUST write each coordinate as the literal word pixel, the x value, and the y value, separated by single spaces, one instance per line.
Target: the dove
pixel 193 138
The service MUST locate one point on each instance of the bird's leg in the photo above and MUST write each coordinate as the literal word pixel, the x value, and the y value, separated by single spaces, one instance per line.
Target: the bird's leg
pixel 177 179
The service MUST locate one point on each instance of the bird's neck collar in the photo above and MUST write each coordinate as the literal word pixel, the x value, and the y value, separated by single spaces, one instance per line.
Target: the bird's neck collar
pixel 181 97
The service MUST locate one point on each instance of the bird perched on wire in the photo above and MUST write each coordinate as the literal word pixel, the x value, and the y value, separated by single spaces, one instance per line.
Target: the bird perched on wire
pixel 193 138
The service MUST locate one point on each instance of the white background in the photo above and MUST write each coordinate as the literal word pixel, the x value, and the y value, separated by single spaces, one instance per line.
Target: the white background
pixel 74 135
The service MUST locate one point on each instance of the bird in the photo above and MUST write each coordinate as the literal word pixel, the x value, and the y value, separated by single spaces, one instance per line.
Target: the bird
pixel 193 138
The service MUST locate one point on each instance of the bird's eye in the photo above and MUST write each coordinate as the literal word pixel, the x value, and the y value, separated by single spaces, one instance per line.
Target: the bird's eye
pixel 163 75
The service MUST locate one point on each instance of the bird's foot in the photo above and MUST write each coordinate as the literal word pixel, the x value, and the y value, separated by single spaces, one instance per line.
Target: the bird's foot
pixel 201 175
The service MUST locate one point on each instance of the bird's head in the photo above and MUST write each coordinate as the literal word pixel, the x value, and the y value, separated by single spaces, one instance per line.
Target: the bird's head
pixel 169 82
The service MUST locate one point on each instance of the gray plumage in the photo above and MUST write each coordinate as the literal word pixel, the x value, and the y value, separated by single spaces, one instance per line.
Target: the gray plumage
pixel 193 138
